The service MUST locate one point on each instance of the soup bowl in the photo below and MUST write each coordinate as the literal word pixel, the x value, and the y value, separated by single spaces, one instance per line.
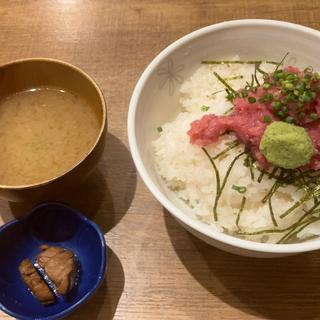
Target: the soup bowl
pixel 155 101
pixel 25 74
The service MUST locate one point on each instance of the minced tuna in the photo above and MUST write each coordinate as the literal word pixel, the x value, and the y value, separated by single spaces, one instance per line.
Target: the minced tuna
pixel 295 99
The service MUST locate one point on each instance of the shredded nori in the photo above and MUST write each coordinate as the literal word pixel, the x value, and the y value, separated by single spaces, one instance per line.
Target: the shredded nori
pixel 281 62
pixel 237 62
pixel 262 173
pixel 220 188
pixel 233 78
pixel 231 145
pixel 271 212
pixel 243 202
pixel 215 215
pixel 234 92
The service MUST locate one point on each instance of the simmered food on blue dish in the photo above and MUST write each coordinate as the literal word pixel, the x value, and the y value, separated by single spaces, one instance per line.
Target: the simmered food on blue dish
pixel 35 283
pixel 54 273
pixel 60 266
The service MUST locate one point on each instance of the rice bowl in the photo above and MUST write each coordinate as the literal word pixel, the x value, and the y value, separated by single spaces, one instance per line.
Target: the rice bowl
pixel 141 137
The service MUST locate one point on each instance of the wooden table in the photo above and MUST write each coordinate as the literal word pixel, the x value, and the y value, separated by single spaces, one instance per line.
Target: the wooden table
pixel 156 269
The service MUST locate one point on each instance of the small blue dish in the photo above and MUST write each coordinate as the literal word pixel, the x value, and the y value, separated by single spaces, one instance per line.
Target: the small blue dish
pixel 54 224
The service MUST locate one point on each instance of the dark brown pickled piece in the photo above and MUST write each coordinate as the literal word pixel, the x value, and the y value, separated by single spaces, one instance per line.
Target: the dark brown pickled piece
pixel 35 283
pixel 60 266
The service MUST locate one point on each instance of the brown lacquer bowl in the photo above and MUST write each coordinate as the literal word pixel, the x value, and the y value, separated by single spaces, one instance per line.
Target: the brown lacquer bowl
pixel 24 74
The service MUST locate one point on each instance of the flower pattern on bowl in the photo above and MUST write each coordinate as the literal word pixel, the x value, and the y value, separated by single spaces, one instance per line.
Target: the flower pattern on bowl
pixel 170 75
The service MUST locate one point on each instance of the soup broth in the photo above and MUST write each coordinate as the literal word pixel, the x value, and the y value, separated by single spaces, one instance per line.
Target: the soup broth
pixel 43 133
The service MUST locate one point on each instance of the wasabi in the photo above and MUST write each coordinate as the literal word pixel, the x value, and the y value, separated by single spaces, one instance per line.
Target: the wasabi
pixel 286 145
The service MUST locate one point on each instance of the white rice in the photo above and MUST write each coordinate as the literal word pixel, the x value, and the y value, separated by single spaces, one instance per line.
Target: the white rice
pixel 186 169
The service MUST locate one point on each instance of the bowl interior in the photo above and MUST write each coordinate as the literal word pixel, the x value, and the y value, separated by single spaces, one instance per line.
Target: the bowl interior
pixel 156 96
pixel 57 225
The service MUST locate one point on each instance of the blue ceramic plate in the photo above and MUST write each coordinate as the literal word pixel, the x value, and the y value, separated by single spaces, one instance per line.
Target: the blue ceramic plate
pixel 54 224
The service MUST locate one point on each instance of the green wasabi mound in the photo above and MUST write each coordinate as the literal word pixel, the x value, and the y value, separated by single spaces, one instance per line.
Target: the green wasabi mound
pixel 286 145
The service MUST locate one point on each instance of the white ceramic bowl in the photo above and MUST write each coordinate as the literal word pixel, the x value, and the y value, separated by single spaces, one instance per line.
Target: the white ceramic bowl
pixel 155 101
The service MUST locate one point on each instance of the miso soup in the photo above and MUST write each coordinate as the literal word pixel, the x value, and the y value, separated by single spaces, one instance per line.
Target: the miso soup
pixel 43 133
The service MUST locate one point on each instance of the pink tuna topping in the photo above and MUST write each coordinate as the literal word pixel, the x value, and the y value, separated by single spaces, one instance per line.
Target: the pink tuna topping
pixel 255 111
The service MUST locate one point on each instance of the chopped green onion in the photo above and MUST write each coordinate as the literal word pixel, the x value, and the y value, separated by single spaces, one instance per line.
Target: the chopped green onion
pixel 266 119
pixel 230 96
pixel 244 93
pixel 159 129
pixel 313 116
pixel 289 86
pixel 296 92
pixel 252 99
pixel 276 96
pixel 266 97
pixel 291 76
pixel 205 108
pixel 276 105
pixel 289 119
pixel 280 75
pixel 240 189
pixel 307 96
pixel 291 97
pixel 299 105
pixel 266 85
